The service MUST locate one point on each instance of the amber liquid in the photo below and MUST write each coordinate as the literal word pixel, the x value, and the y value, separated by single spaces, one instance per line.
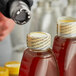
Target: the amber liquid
pixel 65 51
pixel 38 64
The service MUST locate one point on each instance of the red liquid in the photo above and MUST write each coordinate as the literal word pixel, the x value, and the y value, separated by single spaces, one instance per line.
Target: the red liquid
pixel 65 51
pixel 38 64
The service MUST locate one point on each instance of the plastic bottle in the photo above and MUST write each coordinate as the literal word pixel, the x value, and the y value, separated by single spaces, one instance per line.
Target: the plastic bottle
pixel 13 68
pixel 38 58
pixel 64 46
pixel 4 71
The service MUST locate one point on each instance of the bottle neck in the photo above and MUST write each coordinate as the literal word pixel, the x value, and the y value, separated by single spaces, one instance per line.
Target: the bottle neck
pixel 40 50
pixel 44 48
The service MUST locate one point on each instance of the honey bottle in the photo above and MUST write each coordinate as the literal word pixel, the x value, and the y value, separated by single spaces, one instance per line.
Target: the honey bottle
pixel 38 59
pixel 64 46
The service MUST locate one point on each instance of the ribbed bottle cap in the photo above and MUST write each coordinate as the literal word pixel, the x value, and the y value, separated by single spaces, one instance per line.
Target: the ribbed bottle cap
pixel 66 27
pixel 4 71
pixel 65 19
pixel 39 40
pixel 13 67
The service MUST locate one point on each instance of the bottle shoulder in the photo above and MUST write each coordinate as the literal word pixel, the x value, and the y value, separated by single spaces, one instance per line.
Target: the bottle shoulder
pixel 62 43
pixel 42 54
pixel 65 38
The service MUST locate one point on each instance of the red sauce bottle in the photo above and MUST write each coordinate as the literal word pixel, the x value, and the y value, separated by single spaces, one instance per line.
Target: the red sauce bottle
pixel 64 46
pixel 38 59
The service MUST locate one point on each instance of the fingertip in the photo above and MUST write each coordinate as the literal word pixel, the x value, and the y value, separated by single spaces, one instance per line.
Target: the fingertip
pixel 1 39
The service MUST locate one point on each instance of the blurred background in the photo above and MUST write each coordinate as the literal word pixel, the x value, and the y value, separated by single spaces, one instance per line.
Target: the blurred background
pixel 44 18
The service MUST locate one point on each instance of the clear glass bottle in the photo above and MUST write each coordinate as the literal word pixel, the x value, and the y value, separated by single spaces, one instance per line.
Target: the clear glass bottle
pixel 37 15
pixel 4 71
pixel 13 68
pixel 38 58
pixel 64 46
pixel 47 18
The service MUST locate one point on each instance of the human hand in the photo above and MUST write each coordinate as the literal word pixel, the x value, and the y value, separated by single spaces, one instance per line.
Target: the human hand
pixel 6 26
